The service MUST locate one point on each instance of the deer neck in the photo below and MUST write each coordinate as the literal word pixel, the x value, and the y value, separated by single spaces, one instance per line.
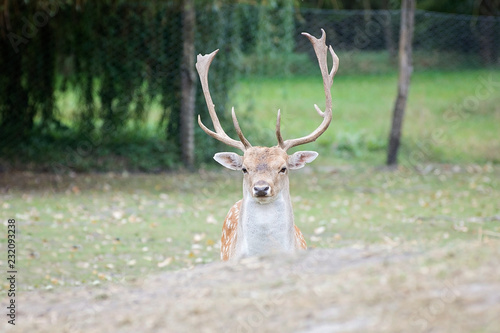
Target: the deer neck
pixel 265 228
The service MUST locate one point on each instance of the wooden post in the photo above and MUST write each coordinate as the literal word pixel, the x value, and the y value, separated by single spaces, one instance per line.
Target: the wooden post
pixel 188 79
pixel 405 69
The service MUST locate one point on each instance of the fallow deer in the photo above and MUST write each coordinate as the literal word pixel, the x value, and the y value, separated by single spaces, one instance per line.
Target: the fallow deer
pixel 262 222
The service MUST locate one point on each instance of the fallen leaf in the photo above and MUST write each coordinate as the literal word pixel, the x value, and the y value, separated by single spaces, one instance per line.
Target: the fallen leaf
pixel 211 219
pixel 315 239
pixel 165 262
pixel 117 214
pixel 319 230
pixel 198 237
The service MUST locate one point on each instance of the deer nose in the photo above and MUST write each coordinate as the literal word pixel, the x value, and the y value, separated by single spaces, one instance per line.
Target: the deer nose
pixel 261 189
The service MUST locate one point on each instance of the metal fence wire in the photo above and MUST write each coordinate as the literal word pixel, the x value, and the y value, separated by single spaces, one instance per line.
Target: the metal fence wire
pixel 368 40
pixel 127 79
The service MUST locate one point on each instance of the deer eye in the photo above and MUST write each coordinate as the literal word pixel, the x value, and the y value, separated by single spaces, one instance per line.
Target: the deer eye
pixel 283 170
pixel 244 170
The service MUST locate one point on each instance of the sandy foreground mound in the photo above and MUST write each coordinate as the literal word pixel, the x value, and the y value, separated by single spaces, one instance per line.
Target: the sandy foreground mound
pixel 352 289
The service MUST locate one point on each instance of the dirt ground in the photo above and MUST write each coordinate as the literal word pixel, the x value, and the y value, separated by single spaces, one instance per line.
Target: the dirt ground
pixel 352 289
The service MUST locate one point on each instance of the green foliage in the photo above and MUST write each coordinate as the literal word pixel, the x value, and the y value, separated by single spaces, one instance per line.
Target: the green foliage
pixel 69 151
pixel 355 145
pixel 274 39
pixel 27 70
pixel 118 59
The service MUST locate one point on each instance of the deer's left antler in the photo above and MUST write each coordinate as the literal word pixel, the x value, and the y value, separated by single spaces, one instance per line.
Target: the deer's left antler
pixel 321 51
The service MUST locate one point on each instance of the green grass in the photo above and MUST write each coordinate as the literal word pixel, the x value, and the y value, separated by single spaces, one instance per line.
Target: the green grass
pixel 87 229
pixel 452 117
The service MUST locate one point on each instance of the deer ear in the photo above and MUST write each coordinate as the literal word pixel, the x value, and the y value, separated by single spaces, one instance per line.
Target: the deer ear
pixel 299 159
pixel 231 161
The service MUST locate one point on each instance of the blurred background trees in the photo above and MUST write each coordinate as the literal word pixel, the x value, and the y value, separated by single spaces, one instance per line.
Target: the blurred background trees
pixel 97 85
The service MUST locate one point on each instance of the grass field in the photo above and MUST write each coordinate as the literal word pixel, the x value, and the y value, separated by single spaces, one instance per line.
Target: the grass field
pixel 89 229
pixel 452 117
pixel 93 228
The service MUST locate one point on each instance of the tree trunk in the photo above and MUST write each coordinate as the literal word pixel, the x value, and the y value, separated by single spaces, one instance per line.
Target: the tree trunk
pixel 405 69
pixel 188 79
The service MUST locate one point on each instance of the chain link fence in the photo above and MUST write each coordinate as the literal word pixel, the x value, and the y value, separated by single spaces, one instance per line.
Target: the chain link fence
pixel 136 87
pixel 367 41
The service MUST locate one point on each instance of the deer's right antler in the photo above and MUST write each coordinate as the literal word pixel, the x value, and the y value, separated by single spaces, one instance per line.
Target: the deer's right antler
pixel 321 51
pixel 202 66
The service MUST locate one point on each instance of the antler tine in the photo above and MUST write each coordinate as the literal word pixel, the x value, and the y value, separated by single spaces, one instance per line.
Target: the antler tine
pixel 243 140
pixel 321 51
pixel 278 130
pixel 202 66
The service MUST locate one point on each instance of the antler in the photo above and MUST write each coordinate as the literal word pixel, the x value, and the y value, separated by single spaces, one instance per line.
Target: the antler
pixel 202 66
pixel 321 51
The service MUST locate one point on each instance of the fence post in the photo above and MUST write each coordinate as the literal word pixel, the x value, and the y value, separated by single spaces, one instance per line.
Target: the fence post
pixel 188 79
pixel 405 69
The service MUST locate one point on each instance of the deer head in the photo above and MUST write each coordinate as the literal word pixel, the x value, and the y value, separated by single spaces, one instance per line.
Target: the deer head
pixel 265 169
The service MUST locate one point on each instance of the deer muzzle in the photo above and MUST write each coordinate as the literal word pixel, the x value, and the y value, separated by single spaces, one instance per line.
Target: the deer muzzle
pixel 261 189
